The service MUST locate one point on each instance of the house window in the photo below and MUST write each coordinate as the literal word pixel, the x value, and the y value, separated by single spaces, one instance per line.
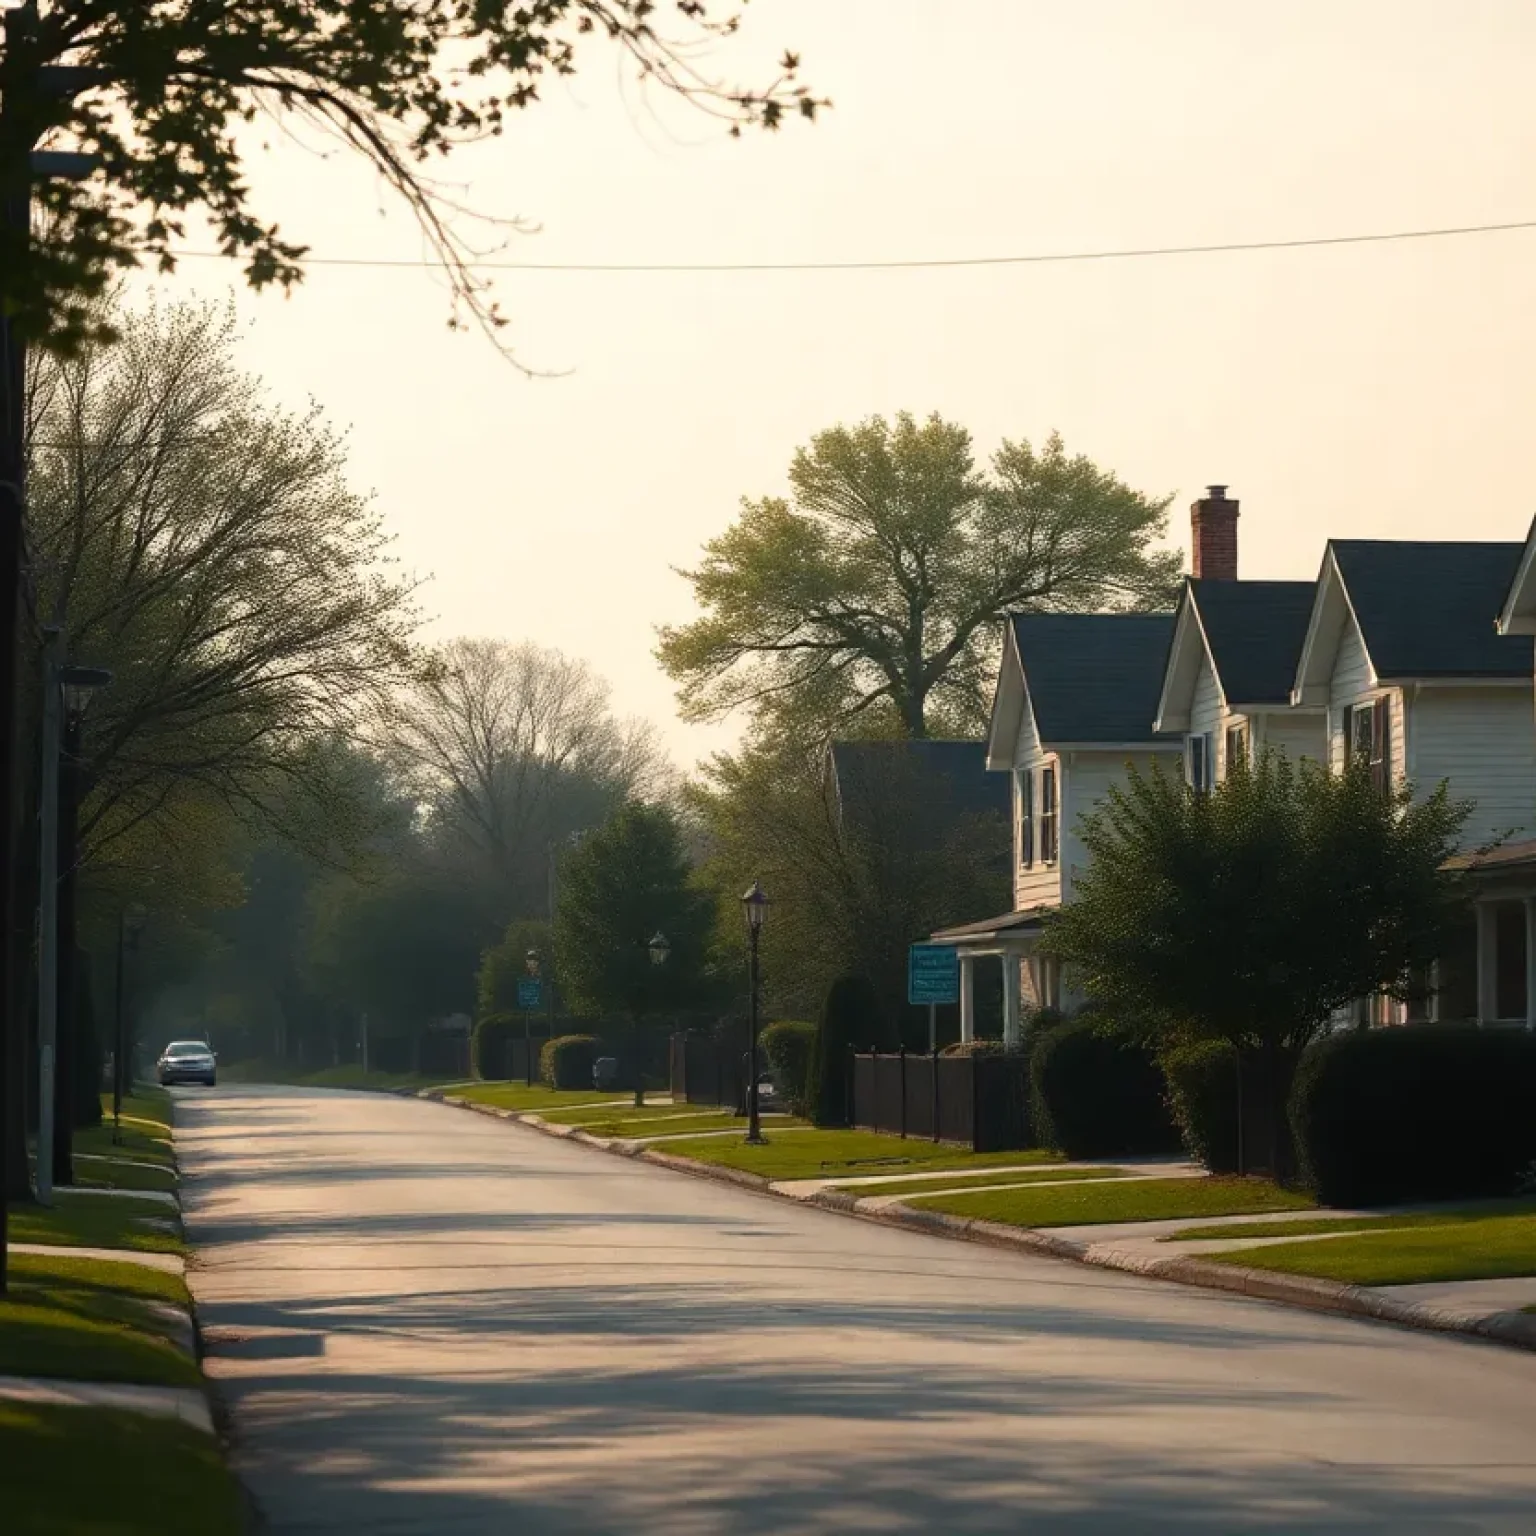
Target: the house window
pixel 1198 763
pixel 1237 746
pixel 1026 788
pixel 1048 816
pixel 1367 739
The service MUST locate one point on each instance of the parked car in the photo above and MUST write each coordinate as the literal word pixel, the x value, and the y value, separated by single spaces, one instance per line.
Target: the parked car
pixel 188 1061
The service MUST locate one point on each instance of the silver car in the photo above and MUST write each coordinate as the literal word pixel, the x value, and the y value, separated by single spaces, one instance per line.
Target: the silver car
pixel 187 1061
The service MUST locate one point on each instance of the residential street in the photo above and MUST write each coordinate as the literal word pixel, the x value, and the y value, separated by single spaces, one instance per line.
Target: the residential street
pixel 422 1320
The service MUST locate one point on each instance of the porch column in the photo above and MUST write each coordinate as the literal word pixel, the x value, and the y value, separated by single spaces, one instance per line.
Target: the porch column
pixel 1012 1030
pixel 967 996
pixel 1487 964
pixel 1530 962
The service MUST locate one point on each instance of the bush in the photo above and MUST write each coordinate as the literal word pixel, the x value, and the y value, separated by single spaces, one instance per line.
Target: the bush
pixel 490 1047
pixel 1202 1095
pixel 1428 1112
pixel 975 1048
pixel 566 1061
pixel 788 1046
pixel 850 1021
pixel 1098 1094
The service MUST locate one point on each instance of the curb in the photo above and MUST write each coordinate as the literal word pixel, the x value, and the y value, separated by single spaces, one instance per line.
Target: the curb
pixel 1513 1329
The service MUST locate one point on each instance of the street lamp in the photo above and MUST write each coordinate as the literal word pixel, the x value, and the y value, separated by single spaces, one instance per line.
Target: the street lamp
pixel 533 959
pixel 660 948
pixel 52 1084
pixel 754 905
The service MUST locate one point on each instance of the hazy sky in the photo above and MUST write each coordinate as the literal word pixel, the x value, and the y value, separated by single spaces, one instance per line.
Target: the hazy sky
pixel 1372 391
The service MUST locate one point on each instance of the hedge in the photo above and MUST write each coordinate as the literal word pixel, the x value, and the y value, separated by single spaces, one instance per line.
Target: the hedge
pixel 1202 1096
pixel 787 1046
pixel 850 1020
pixel 1097 1094
pixel 975 1048
pixel 1425 1112
pixel 489 1046
pixel 566 1061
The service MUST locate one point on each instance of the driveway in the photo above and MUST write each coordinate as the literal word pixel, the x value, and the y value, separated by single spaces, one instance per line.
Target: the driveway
pixel 422 1320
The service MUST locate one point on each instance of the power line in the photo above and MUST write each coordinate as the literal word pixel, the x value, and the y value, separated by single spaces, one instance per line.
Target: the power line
pixel 1033 259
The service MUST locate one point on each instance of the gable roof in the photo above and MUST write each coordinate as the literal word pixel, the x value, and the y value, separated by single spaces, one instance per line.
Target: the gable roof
pixel 1430 608
pixel 1254 631
pixel 948 779
pixel 1518 615
pixel 1091 677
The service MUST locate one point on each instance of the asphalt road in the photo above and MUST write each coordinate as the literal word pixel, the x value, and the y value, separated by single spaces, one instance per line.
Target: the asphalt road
pixel 427 1321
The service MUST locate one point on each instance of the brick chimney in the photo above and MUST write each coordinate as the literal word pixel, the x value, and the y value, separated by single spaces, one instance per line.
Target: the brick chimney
pixel 1214 520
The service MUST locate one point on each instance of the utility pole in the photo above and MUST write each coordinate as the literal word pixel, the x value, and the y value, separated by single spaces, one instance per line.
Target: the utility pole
pixel 48 915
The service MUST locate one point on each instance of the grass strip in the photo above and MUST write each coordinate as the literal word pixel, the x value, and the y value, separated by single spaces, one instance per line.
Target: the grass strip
pixel 94 1173
pixel 821 1154
pixel 963 1180
pixel 1389 1220
pixel 98 1221
pixel 539 1100
pixel 1490 1248
pixel 92 1320
pixel 140 1143
pixel 1116 1200
pixel 72 1471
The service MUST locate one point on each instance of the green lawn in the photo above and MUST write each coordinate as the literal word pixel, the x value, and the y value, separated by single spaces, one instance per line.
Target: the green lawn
pixel 1121 1200
pixel 539 1099
pixel 94 1173
pixel 826 1154
pixel 1473 1211
pixel 962 1180
pixel 101 1472
pixel 86 1319
pixel 139 1142
pixel 97 1221
pixel 1473 1248
pixel 667 1125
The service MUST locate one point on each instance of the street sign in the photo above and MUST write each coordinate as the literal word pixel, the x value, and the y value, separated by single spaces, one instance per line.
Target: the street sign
pixel 933 974
pixel 530 992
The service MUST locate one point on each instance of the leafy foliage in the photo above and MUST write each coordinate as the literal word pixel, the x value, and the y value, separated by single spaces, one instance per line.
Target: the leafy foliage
pixel 505 964
pixel 874 592
pixel 488 1045
pixel 628 881
pixel 850 1020
pixel 1202 1095
pixel 1097 1093
pixel 1436 1112
pixel 171 88
pixel 1252 913
pixel 788 1046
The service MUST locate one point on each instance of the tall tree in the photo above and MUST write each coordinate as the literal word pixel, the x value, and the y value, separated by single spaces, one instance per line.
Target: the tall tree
pixel 874 590
pixel 510 748
pixel 1253 912
pixel 163 94
pixel 626 883
pixel 203 543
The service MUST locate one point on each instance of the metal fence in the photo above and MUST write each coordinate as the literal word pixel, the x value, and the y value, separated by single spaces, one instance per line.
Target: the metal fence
pixel 708 1069
pixel 977 1101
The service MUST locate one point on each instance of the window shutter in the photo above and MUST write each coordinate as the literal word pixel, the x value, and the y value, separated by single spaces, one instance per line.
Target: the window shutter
pixel 1381 740
pixel 1027 817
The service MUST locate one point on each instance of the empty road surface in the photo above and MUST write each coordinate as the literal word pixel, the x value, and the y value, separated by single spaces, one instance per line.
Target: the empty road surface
pixel 426 1321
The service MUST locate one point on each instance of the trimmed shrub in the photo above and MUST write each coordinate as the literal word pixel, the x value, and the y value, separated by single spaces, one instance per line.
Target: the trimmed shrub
pixel 1427 1112
pixel 1202 1095
pixel 1097 1094
pixel 490 1051
pixel 850 1021
pixel 975 1048
pixel 788 1046
pixel 566 1061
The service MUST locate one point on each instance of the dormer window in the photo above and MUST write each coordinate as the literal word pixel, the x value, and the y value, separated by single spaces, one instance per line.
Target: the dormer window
pixel 1198 764
pixel 1237 746
pixel 1026 791
pixel 1049 820
pixel 1368 739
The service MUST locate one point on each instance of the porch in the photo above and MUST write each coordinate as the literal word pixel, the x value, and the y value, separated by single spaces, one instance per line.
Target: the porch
pixel 1490 974
pixel 1029 979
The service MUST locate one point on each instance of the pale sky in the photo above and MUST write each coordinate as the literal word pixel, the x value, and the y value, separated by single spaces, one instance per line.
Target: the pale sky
pixel 1368 391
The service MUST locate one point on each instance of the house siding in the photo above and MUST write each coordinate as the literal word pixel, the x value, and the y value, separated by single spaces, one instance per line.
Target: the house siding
pixel 1483 741
pixel 1297 735
pixel 1206 713
pixel 1087 778
pixel 1036 884
pixel 1353 683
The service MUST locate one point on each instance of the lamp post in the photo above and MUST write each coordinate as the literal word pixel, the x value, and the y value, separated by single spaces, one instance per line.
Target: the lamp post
pixel 129 923
pixel 660 947
pixel 51 1089
pixel 533 960
pixel 754 904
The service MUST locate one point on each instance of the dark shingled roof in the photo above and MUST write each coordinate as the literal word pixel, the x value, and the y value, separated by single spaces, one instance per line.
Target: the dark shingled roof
pixel 948 777
pixel 1255 630
pixel 1427 609
pixel 1094 676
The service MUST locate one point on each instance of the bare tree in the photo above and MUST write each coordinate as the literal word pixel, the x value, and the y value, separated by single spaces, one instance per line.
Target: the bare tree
pixel 203 544
pixel 510 746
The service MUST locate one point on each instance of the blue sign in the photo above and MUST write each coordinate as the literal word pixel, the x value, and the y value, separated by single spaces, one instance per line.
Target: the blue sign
pixel 530 992
pixel 933 974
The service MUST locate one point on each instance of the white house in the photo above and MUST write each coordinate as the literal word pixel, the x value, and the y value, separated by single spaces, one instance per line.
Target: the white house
pixel 1404 655
pixel 1074 704
pixel 1230 672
